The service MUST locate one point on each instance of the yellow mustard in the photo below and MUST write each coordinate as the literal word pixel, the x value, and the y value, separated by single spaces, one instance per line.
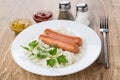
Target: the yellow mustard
pixel 20 24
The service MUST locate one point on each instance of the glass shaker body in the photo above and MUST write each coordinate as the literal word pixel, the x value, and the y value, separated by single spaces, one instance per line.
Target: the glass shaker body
pixel 65 11
pixel 82 15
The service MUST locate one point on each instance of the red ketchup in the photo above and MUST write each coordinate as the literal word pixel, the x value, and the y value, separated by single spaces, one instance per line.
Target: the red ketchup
pixel 42 16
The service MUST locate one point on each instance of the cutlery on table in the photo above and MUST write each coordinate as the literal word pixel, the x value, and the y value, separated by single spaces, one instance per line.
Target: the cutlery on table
pixel 104 30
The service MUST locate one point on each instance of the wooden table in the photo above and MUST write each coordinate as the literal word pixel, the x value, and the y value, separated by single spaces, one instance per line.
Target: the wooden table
pixel 12 9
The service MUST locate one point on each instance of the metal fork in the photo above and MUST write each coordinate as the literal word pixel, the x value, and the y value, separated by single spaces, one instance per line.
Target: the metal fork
pixel 104 29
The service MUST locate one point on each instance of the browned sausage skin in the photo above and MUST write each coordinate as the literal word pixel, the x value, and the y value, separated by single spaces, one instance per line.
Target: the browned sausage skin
pixel 72 47
pixel 63 37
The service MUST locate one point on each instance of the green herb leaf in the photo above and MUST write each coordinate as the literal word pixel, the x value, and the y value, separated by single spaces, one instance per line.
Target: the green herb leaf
pixel 42 50
pixel 53 51
pixel 26 48
pixel 32 54
pixel 51 62
pixel 41 56
pixel 62 59
pixel 33 44
pixel 39 49
pixel 44 47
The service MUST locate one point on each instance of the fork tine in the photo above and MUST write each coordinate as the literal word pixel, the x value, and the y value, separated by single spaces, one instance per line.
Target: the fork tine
pixel 104 22
pixel 107 22
pixel 101 22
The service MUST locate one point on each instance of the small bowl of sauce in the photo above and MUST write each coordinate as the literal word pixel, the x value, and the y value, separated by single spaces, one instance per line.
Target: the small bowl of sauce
pixel 20 24
pixel 43 16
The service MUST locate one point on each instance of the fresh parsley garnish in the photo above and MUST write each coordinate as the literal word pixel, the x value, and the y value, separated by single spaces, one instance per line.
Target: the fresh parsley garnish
pixel 62 59
pixel 33 44
pixel 26 48
pixel 41 56
pixel 42 50
pixel 53 51
pixel 39 51
pixel 51 62
pixel 44 47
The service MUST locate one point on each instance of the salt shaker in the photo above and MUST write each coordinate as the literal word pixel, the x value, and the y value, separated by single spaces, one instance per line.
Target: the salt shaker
pixel 82 14
pixel 65 11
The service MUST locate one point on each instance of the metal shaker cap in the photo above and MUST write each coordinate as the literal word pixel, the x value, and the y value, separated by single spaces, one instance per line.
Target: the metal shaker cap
pixel 64 5
pixel 83 7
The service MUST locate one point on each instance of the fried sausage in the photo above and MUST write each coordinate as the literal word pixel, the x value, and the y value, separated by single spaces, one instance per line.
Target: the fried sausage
pixel 69 46
pixel 64 37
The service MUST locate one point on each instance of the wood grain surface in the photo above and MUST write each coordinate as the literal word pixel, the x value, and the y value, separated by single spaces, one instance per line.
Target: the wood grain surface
pixel 12 9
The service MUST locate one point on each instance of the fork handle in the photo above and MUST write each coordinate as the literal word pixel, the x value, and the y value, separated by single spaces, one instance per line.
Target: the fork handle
pixel 106 61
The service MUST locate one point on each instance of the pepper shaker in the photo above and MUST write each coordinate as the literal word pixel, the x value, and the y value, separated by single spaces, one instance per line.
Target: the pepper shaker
pixel 82 14
pixel 65 11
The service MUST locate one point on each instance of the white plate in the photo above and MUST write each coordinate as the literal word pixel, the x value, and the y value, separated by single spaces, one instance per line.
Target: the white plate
pixel 93 47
